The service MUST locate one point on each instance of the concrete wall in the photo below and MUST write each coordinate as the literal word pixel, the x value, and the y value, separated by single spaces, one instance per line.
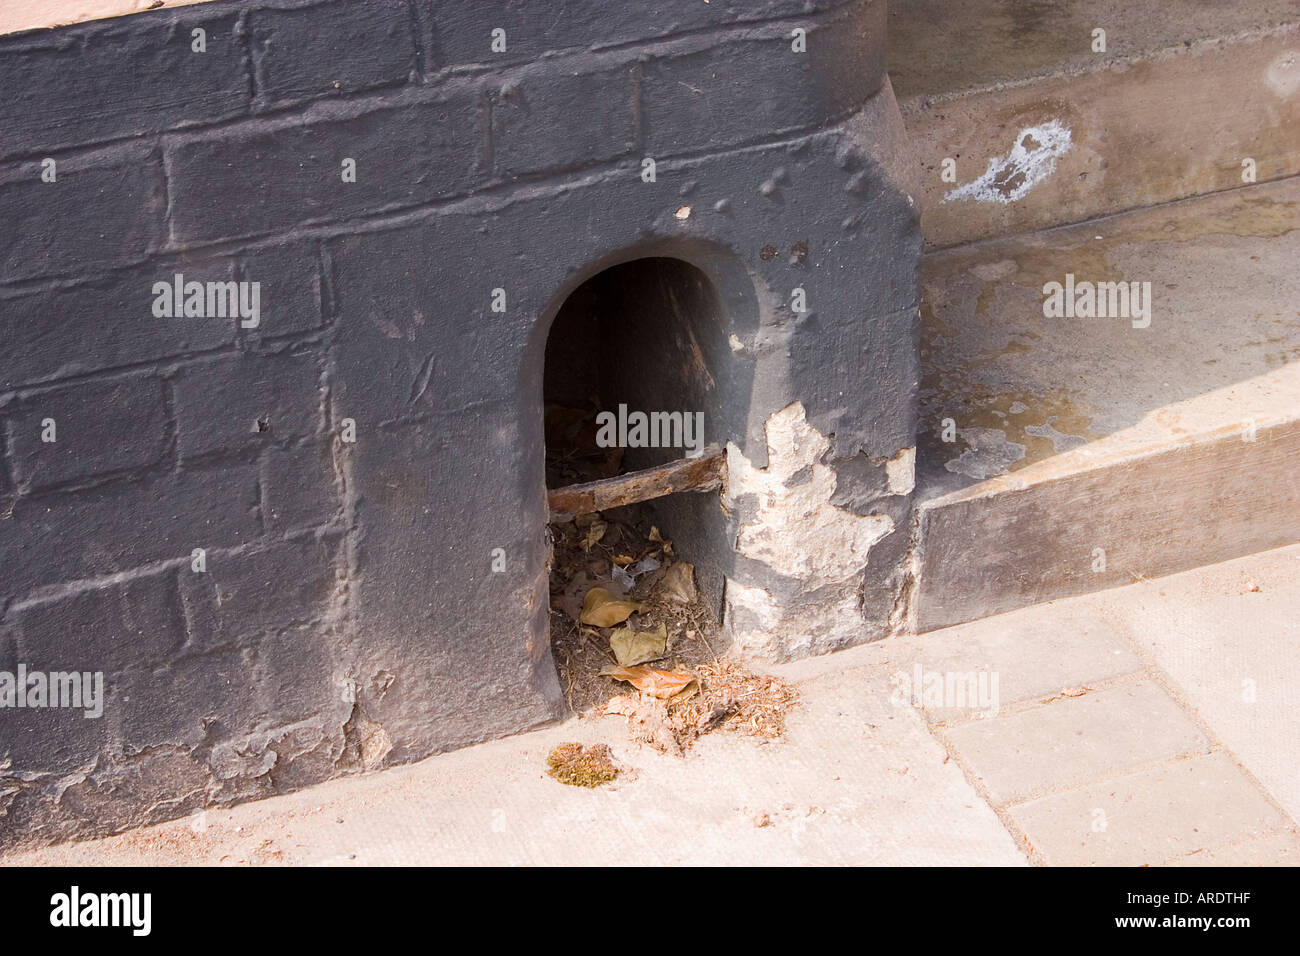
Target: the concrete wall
pixel 345 612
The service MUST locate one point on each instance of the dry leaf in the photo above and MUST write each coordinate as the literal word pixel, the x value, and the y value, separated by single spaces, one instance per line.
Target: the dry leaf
pixel 660 539
pixel 657 683
pixel 594 533
pixel 678 583
pixel 621 705
pixel 602 609
pixel 632 647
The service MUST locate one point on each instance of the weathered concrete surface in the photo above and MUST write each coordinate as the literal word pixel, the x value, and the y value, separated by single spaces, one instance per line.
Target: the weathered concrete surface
pixel 1081 738
pixel 1149 817
pixel 1185 91
pixel 858 779
pixel 1196 416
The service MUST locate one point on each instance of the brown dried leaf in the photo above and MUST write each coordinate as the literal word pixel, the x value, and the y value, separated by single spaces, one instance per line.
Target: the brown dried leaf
pixel 660 539
pixel 632 647
pixel 602 609
pixel 657 683
pixel 678 583
pixel 595 532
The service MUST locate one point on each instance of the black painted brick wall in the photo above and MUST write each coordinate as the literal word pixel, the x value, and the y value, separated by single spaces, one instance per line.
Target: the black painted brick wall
pixel 347 584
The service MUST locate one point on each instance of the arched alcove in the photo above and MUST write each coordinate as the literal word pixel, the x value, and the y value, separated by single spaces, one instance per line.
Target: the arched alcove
pixel 643 344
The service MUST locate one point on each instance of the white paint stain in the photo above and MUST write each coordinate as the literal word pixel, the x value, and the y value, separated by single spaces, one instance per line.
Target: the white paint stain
pixel 1031 160
pixel 990 454
pixel 1283 74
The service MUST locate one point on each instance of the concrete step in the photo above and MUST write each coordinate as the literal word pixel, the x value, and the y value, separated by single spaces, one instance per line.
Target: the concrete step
pixel 1095 452
pixel 1184 93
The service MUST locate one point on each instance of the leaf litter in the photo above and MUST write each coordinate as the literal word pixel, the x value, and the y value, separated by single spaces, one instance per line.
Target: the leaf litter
pixel 633 638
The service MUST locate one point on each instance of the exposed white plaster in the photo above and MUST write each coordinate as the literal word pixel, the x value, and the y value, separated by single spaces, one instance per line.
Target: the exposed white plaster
pixel 1031 160
pixel 763 628
pixel 798 533
pixel 901 472
pixel 796 530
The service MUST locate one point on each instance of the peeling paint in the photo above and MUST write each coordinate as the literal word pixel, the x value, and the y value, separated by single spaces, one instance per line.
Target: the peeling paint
pixel 767 629
pixel 796 532
pixel 1031 160
pixel 901 472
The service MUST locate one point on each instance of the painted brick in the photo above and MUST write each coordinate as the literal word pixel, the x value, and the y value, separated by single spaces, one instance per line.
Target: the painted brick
pixel 112 528
pixel 101 427
pixel 369 44
pixel 241 596
pixel 464 27
pixel 104 324
pixel 415 149
pixel 188 701
pixel 298 486
pixel 52 740
pixel 132 76
pixel 289 274
pixel 523 111
pixel 232 405
pixel 134 624
pixel 710 97
pixel 105 209
pixel 418 328
pixel 408 567
pixel 8 645
pixel 296 674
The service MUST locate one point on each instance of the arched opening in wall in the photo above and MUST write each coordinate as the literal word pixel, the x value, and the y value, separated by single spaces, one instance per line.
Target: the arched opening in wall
pixel 639 397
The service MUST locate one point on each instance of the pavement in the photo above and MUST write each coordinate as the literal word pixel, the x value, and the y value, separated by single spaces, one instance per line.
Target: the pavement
pixel 1150 724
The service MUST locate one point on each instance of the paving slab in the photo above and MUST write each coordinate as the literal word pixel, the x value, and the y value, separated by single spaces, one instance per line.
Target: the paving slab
pixel 33 14
pixel 1229 639
pixel 1149 817
pixel 1281 848
pixel 862 776
pixel 1075 740
pixel 1038 652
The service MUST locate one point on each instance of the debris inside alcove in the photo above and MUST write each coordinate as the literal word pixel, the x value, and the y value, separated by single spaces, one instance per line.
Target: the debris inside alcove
pixel 631 634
